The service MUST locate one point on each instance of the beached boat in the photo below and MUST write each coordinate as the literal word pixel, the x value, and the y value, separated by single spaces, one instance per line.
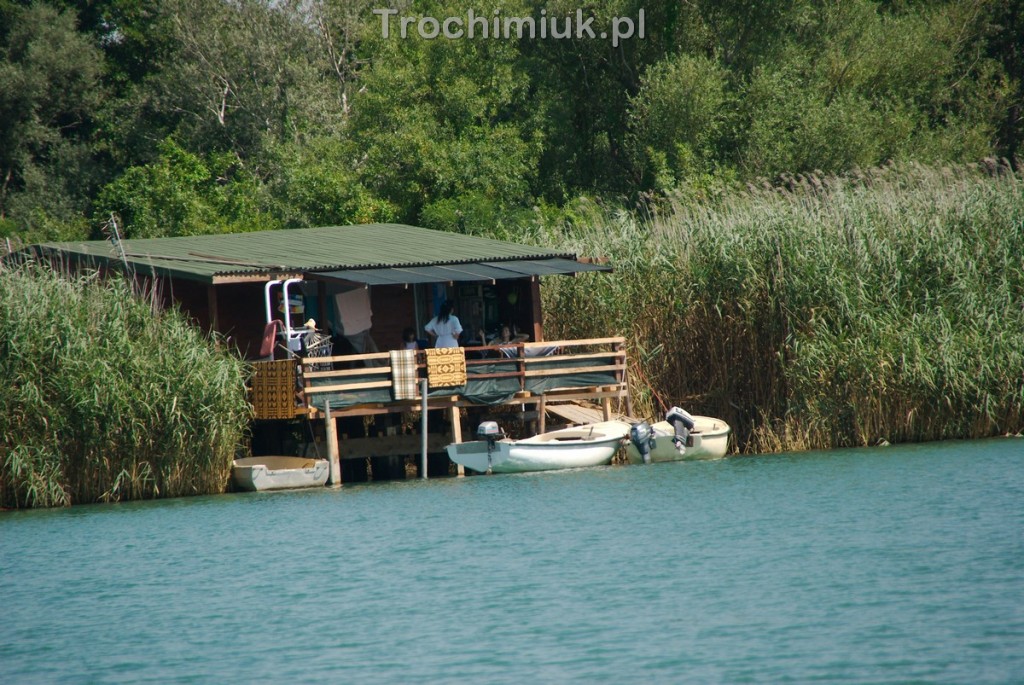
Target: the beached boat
pixel 279 473
pixel 579 446
pixel 704 437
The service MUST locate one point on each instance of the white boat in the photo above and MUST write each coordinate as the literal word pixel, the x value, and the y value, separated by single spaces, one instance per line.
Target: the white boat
pixel 569 448
pixel 279 473
pixel 708 439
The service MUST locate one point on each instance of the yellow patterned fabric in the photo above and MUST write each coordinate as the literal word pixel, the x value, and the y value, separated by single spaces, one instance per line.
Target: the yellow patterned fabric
pixel 446 367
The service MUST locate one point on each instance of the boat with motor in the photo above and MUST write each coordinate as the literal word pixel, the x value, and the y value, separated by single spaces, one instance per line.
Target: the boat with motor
pixel 278 473
pixel 575 447
pixel 680 437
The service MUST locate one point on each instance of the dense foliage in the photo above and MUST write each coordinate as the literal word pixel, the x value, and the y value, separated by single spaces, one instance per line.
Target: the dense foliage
pixel 106 397
pixel 887 305
pixel 191 116
pixel 819 257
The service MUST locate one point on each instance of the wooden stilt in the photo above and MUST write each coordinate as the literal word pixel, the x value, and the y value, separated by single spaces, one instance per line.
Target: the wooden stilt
pixel 542 418
pixel 606 408
pixel 456 420
pixel 629 394
pixel 333 453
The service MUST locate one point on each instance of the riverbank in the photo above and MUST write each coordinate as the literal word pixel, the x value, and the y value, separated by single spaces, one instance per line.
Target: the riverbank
pixel 885 305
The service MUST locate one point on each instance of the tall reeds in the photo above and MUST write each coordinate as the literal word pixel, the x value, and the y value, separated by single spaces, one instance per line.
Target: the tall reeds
pixel 888 304
pixel 107 397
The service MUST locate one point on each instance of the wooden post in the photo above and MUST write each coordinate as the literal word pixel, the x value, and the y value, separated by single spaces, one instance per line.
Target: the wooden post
pixel 211 305
pixel 542 419
pixel 535 313
pixel 606 407
pixel 333 453
pixel 629 396
pixel 456 419
pixel 423 429
pixel 321 298
pixel 623 377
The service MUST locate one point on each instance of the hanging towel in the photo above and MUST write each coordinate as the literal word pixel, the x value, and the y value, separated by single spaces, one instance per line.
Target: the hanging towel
pixel 403 374
pixel 352 308
pixel 446 366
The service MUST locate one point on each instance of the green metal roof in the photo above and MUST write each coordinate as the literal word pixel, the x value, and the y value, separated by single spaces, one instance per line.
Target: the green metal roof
pixel 225 258
pixel 460 273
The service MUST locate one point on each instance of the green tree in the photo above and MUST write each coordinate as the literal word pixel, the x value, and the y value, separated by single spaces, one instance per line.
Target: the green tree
pixel 238 76
pixel 860 84
pixel 676 121
pixel 436 120
pixel 184 194
pixel 1006 44
pixel 585 88
pixel 50 76
pixel 313 184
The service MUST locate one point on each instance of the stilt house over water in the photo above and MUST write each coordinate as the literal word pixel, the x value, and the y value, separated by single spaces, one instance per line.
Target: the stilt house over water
pixel 328 316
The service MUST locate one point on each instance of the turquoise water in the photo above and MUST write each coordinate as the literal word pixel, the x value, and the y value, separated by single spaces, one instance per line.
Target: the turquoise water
pixel 900 564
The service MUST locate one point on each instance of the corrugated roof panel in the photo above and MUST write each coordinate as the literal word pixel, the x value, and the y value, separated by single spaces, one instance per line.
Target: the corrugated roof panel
pixel 554 266
pixel 474 272
pixel 311 249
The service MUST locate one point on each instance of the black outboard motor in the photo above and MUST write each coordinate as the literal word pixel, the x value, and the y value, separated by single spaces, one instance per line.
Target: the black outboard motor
pixel 491 432
pixel 642 435
pixel 682 422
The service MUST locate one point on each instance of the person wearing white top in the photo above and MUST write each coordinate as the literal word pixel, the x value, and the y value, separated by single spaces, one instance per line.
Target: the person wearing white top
pixel 445 327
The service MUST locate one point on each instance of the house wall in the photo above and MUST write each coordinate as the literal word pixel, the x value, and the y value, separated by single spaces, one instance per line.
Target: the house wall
pixel 393 310
pixel 190 296
pixel 241 316
pixel 240 310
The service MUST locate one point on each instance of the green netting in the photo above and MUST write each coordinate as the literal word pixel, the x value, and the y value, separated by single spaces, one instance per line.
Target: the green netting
pixel 542 384
pixel 489 391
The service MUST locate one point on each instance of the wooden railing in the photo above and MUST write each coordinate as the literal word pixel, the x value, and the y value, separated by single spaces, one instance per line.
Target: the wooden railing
pixel 381 361
pixel 533 373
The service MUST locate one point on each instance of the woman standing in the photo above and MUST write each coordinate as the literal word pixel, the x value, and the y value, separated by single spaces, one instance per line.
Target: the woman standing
pixel 445 327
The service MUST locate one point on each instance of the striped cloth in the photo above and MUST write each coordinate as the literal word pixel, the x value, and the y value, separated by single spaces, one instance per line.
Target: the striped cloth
pixel 446 366
pixel 403 374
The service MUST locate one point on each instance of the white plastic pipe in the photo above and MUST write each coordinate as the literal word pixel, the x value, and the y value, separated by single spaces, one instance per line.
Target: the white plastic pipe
pixel 267 301
pixel 423 429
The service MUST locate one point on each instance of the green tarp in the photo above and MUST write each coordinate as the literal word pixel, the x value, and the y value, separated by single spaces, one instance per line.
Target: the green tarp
pixel 489 391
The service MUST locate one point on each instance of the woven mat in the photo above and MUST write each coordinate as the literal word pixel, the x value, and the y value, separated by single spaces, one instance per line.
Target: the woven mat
pixel 446 366
pixel 273 389
pixel 403 374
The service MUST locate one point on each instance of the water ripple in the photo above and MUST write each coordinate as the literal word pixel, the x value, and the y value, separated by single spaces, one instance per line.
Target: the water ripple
pixel 891 565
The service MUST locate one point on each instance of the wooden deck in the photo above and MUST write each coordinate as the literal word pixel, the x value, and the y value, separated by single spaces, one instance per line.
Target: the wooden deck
pixel 528 375
pixel 560 363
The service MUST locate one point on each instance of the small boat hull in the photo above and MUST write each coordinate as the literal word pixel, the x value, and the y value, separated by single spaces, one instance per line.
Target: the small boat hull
pixel 278 473
pixel 708 440
pixel 569 448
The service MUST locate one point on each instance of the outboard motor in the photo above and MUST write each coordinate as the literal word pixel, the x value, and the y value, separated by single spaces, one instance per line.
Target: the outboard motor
pixel 492 433
pixel 682 422
pixel 642 436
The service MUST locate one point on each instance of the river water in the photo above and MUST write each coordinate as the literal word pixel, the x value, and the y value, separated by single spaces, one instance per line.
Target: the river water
pixel 898 564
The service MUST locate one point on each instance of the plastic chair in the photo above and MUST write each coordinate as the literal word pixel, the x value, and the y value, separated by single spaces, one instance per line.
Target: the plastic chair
pixel 269 339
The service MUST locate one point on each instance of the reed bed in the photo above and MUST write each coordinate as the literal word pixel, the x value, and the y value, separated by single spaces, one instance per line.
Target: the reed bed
pixel 884 305
pixel 108 397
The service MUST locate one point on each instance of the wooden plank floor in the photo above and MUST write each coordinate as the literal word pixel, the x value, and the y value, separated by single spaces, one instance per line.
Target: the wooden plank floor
pixel 579 414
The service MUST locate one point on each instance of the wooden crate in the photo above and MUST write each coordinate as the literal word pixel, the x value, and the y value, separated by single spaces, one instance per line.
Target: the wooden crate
pixel 273 389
